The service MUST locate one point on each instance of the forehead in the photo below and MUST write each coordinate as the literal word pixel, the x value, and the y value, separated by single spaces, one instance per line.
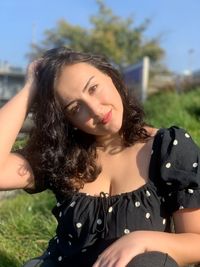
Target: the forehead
pixel 74 77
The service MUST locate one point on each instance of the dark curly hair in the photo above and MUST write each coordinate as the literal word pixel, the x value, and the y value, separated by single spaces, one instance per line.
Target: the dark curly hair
pixel 60 156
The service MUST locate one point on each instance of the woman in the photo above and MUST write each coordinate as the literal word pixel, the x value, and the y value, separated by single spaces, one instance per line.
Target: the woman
pixel 117 181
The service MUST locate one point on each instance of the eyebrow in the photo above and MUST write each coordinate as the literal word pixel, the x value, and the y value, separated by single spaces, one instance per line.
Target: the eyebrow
pixel 84 88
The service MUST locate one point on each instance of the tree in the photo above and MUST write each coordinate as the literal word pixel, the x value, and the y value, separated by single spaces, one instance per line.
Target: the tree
pixel 111 35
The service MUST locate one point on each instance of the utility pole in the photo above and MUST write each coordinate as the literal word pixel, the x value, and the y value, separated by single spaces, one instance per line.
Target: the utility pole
pixel 190 60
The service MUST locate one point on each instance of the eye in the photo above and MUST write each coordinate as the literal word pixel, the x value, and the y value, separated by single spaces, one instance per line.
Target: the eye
pixel 74 110
pixel 92 89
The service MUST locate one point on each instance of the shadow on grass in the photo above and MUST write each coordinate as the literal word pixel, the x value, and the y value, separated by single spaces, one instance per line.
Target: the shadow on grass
pixel 194 111
pixel 7 260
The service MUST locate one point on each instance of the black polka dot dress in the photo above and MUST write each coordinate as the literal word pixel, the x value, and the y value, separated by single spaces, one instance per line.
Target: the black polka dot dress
pixel 88 224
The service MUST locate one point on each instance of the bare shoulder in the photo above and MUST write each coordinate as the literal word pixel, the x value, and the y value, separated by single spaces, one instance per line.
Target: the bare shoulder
pixel 149 142
pixel 151 130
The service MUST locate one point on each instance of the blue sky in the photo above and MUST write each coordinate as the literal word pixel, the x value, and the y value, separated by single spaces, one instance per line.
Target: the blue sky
pixel 176 21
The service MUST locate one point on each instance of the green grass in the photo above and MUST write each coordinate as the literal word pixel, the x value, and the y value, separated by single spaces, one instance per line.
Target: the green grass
pixel 164 110
pixel 26 223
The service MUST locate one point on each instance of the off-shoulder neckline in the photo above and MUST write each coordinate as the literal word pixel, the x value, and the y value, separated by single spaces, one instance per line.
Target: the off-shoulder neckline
pixel 143 187
pixel 147 186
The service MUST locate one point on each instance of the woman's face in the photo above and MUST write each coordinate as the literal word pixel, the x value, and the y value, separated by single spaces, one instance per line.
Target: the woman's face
pixel 90 99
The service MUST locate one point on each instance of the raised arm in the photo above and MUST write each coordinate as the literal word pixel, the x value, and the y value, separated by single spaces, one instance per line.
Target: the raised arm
pixel 15 171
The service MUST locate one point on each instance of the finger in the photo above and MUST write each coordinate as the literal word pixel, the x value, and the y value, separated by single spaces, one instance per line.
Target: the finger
pixel 105 262
pixel 32 68
pixel 98 263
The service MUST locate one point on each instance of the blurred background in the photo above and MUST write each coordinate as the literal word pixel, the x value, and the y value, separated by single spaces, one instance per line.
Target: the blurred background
pixel 155 46
pixel 125 31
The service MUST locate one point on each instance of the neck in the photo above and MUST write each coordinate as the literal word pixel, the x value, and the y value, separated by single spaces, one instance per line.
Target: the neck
pixel 110 142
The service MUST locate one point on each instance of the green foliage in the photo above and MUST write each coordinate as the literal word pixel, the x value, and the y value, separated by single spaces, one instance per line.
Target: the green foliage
pixel 117 38
pixel 19 144
pixel 165 109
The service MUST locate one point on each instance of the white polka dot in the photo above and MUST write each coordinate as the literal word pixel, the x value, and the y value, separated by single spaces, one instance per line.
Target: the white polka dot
pixel 49 253
pixel 126 231
pixel 148 193
pixel 168 165
pixel 60 214
pixel 60 258
pixel 147 215
pixel 79 225
pixel 191 191
pixel 58 204
pixel 164 221
pixel 137 204
pixel 181 207
pixel 163 199
pixel 57 241
pixel 110 209
pixel 195 164
pixel 70 235
pixel 70 243
pixel 169 183
pixel 72 204
pixel 187 135
pixel 151 151
pixel 84 250
pixel 169 194
pixel 175 142
pixel 99 221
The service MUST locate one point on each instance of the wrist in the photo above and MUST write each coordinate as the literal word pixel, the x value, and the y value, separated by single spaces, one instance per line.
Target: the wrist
pixel 28 93
pixel 144 239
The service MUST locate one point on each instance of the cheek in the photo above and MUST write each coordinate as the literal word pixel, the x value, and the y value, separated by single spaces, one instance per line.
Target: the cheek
pixel 83 120
pixel 116 99
pixel 107 97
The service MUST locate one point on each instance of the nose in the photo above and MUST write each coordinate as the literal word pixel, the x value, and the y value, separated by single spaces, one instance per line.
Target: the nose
pixel 95 109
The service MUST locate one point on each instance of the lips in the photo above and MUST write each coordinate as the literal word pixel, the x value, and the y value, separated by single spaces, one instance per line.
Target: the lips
pixel 107 117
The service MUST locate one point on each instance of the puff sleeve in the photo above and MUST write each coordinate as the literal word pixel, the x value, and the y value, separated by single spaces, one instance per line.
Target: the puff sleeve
pixel 179 169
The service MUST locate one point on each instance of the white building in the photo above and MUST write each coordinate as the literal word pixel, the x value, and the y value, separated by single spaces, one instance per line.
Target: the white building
pixel 11 81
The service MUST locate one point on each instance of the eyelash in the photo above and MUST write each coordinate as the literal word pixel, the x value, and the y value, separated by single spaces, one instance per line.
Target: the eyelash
pixel 92 89
pixel 76 108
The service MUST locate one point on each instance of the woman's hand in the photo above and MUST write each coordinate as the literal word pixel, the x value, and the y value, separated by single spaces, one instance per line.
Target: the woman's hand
pixel 30 84
pixel 121 252
pixel 31 70
pixel 31 74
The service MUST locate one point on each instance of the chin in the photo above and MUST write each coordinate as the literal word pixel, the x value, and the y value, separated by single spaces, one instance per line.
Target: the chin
pixel 114 130
pixel 109 129
pixel 116 127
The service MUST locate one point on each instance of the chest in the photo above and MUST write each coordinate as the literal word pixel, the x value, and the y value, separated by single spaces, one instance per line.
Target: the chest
pixel 122 172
